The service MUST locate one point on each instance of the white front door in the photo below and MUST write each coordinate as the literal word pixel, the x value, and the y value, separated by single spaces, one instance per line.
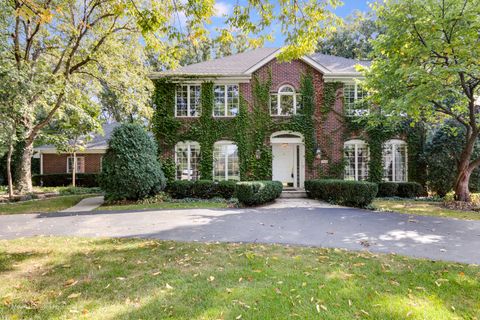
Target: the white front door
pixel 284 163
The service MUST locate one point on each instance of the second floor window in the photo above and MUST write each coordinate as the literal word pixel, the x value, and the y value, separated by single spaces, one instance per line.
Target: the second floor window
pixel 353 93
pixel 227 100
pixel 285 103
pixel 187 101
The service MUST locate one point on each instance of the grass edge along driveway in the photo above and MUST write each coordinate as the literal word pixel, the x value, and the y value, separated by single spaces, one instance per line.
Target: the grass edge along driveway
pixel 57 277
pixel 53 204
pixel 423 208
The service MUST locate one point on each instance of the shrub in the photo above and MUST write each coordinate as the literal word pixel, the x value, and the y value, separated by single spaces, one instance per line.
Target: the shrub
pixel 258 192
pixel 387 189
pixel 130 168
pixel 441 154
pixel 409 190
pixel 204 189
pixel 79 190
pixel 180 189
pixel 88 180
pixel 349 193
pixel 226 188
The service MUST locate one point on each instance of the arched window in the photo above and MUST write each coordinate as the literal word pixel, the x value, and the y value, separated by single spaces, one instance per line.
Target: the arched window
pixel 357 156
pixel 286 102
pixel 187 158
pixel 395 164
pixel 225 161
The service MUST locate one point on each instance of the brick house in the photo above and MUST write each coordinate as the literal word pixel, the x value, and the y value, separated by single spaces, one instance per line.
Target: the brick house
pixel 89 160
pixel 332 149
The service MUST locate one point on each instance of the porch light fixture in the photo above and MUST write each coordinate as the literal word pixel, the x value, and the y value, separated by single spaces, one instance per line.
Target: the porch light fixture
pixel 318 153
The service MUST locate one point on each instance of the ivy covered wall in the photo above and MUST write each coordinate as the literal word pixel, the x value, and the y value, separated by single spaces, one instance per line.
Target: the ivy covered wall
pixel 320 120
pixel 250 129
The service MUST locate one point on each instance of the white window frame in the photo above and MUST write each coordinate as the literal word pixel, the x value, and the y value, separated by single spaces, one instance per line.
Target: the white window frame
pixel 77 171
pixel 188 145
pixel 278 98
pixel 390 143
pixel 225 106
pixel 347 108
pixel 357 143
pixel 199 111
pixel 222 143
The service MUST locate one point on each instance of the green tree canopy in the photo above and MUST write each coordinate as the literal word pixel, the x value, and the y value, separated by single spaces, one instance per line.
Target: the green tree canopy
pixel 427 67
pixel 352 38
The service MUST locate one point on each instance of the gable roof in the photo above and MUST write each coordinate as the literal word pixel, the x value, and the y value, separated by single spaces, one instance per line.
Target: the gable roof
pixel 98 142
pixel 245 63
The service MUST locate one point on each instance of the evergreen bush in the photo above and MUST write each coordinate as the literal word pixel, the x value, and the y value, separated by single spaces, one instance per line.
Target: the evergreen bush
pixel 258 192
pixel 130 167
pixel 343 192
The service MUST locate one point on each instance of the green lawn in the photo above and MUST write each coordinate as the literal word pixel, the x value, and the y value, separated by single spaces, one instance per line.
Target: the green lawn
pixel 42 206
pixel 166 205
pixel 57 278
pixel 424 208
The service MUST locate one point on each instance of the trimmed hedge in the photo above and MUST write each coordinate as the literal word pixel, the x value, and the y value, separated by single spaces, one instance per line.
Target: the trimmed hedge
pixel 88 180
pixel 387 189
pixel 409 190
pixel 343 192
pixel 258 192
pixel 203 189
pixel 400 189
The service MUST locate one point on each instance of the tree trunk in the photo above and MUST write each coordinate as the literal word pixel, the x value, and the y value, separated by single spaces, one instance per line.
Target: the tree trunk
pixel 23 183
pixel 9 170
pixel 462 191
pixel 74 169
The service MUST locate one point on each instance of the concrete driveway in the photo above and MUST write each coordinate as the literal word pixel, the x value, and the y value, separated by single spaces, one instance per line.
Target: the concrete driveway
pixel 310 224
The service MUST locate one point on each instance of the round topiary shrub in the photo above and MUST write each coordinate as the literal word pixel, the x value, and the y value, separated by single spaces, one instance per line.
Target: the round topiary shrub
pixel 130 167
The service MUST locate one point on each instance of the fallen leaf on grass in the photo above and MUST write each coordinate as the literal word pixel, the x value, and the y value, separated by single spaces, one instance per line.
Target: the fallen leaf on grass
pixel 168 286
pixel 121 278
pixel 74 295
pixel 211 278
pixel 70 283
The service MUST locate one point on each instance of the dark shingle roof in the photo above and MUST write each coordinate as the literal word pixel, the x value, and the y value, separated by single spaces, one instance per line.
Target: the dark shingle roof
pixel 338 64
pixel 99 140
pixel 235 64
pixel 239 64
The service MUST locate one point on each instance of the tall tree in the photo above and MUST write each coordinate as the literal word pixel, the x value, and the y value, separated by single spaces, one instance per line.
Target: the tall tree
pixel 427 66
pixel 72 50
pixel 352 38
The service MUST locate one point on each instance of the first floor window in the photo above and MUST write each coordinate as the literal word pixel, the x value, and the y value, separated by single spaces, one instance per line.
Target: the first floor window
pixel 80 164
pixel 353 93
pixel 395 159
pixel 225 161
pixel 187 101
pixel 284 103
pixel 226 100
pixel 357 157
pixel 187 156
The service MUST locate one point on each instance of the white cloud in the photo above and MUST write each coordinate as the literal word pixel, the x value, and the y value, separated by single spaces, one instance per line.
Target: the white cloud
pixel 222 8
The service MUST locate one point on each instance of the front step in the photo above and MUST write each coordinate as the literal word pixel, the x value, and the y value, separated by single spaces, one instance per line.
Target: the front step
pixel 293 193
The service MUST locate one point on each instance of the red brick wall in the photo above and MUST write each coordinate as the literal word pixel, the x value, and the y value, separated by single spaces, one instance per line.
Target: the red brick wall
pixel 329 129
pixel 57 163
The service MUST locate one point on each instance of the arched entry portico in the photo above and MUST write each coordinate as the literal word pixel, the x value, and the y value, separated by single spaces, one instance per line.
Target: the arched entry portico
pixel 288 158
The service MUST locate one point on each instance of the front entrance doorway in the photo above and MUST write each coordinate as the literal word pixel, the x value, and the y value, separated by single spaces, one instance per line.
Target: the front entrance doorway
pixel 288 158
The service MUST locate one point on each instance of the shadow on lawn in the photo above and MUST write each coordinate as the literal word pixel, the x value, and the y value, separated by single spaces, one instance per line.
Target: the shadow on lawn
pixel 132 279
